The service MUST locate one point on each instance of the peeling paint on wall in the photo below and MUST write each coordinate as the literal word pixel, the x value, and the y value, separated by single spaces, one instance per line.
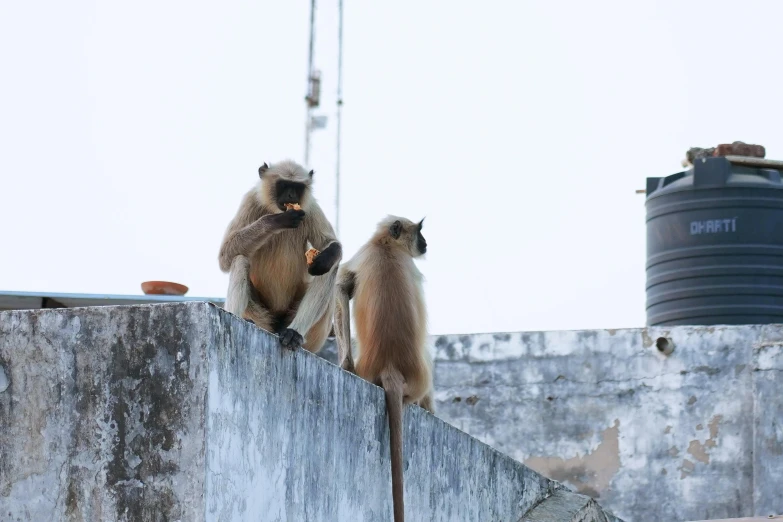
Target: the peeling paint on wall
pixel 590 474
pixel 545 394
pixel 686 469
pixel 699 450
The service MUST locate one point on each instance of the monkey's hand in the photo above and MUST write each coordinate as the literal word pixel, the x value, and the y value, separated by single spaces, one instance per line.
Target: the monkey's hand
pixel 325 260
pixel 288 219
pixel 291 339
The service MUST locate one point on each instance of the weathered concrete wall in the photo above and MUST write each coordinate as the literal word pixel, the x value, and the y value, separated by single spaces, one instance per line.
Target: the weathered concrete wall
pixel 184 412
pixel 697 434
pixel 102 414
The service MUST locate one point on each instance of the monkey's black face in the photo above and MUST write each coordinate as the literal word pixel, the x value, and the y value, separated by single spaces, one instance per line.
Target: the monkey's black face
pixel 288 192
pixel 421 243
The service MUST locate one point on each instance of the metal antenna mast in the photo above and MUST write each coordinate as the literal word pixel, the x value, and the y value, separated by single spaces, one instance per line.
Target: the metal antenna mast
pixel 339 115
pixel 313 101
pixel 313 86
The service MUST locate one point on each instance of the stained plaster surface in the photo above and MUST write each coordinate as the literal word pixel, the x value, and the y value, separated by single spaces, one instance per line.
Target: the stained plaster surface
pixel 693 435
pixel 183 412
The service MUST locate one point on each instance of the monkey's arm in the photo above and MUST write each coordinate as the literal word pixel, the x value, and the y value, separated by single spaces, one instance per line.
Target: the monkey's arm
pixel 319 298
pixel 250 229
pixel 346 281
pixel 244 240
pixel 322 237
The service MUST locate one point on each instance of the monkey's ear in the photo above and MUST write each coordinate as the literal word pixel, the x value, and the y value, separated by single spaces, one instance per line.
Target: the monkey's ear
pixel 262 169
pixel 311 174
pixel 395 229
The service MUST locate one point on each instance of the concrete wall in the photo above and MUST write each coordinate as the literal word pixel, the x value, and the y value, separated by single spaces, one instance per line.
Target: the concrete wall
pixel 694 435
pixel 184 412
pixel 103 415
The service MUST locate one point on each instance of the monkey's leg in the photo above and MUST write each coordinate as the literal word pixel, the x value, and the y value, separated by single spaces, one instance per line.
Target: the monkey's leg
pixel 259 316
pixel 316 336
pixel 342 328
pixel 239 300
pixel 428 403
pixel 317 302
pixel 238 295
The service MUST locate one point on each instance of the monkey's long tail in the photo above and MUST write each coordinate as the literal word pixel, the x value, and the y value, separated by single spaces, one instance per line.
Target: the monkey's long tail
pixel 394 386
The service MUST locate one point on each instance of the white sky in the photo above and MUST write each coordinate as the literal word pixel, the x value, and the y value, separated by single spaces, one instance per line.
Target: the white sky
pixel 130 131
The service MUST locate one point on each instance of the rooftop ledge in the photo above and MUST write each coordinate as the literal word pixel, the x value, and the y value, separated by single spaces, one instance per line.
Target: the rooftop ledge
pixel 181 411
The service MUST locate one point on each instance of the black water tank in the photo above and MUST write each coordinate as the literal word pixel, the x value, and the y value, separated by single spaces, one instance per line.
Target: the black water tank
pixel 715 244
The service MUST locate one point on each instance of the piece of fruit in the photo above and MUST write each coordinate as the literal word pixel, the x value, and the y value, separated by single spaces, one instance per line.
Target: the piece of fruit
pixel 311 255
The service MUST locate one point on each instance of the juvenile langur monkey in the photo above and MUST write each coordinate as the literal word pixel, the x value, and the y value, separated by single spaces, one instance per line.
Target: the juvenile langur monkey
pixel 263 250
pixel 391 327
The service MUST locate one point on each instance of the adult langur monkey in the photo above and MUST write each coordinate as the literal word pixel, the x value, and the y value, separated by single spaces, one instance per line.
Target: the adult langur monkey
pixel 391 327
pixel 270 282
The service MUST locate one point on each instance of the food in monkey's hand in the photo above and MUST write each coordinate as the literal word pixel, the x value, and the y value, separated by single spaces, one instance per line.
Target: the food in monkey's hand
pixel 292 206
pixel 311 255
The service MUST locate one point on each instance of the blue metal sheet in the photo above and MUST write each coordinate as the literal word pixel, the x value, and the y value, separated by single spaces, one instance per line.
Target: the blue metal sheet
pixel 10 300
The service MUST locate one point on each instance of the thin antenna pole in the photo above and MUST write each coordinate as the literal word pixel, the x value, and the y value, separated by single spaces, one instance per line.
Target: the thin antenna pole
pixel 339 115
pixel 308 127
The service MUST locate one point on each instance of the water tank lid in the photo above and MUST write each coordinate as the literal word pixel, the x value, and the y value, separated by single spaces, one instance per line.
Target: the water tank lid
pixel 725 171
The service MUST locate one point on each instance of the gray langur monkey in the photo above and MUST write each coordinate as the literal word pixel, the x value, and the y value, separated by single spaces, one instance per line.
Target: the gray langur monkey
pixel 391 327
pixel 263 250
